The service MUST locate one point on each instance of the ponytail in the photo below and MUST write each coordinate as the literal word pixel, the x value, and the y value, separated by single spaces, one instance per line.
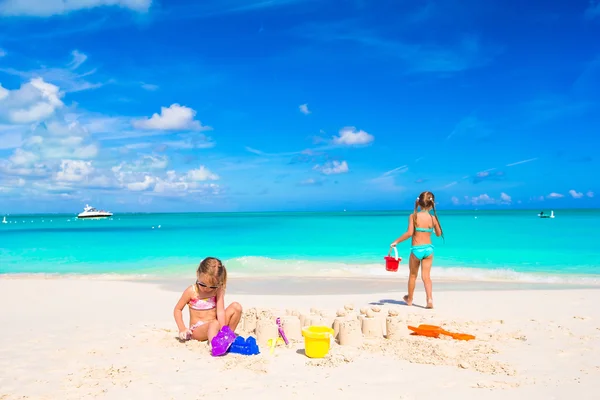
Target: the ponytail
pixel 438 221
pixel 415 215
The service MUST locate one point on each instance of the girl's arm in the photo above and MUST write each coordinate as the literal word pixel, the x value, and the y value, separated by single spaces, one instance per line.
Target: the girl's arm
pixel 409 232
pixel 221 307
pixel 185 298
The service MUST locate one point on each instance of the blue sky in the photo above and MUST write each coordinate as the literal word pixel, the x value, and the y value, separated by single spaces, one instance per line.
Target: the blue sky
pixel 235 105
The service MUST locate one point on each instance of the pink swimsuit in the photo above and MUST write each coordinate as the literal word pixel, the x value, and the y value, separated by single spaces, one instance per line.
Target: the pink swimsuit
pixel 202 305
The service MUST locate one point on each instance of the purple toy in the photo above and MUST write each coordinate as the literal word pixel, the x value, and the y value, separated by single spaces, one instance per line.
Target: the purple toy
pixel 220 343
pixel 281 332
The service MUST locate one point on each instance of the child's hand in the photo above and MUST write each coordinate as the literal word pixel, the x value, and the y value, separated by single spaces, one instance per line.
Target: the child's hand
pixel 393 244
pixel 185 335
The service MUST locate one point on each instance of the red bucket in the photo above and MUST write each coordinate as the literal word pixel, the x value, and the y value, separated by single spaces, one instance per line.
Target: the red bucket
pixel 391 263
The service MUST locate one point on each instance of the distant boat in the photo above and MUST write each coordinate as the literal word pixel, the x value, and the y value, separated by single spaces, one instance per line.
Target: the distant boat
pixel 542 215
pixel 91 212
pixel 4 221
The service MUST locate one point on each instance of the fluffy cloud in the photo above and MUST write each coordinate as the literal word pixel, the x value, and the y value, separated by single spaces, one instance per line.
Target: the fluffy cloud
pixel 504 198
pixel 74 170
pixel 304 109
pixel 333 167
pixel 45 145
pixel 174 117
pixel 54 152
pixel 484 199
pixel 575 194
pixel 47 8
pixel 139 176
pixel 34 101
pixel 554 195
pixel 590 194
pixel 70 78
pixel 201 174
pixel 349 136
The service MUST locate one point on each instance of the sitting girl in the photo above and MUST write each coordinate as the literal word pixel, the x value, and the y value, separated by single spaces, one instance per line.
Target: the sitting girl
pixel 205 300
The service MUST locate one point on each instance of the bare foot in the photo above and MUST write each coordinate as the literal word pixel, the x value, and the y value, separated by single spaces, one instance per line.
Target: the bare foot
pixel 429 304
pixel 407 301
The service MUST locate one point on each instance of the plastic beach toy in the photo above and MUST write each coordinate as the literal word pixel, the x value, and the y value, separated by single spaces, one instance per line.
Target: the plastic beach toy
pixel 391 263
pixel 221 343
pixel 247 347
pixel 317 340
pixel 272 343
pixel 281 332
pixel 426 330
pixel 436 331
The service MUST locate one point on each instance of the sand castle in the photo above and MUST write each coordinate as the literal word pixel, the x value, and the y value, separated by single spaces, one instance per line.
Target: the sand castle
pixel 394 325
pixel 351 328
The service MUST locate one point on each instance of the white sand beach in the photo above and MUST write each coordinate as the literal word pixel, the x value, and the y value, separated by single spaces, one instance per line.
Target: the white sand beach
pixel 89 337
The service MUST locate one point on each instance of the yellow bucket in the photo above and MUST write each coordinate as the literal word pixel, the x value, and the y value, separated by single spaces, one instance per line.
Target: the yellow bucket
pixel 317 340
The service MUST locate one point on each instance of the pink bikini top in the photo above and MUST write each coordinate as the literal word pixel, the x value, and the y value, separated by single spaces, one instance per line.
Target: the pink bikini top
pixel 203 304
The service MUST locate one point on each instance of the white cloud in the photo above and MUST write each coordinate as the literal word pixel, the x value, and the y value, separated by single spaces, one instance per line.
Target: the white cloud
pixel 449 185
pixel 455 200
pixel 149 87
pixel 333 167
pixel 174 117
pixel 143 164
pixel 47 8
pixel 74 170
pixel 34 101
pixel 304 109
pixel 482 199
pixel 504 198
pixel 201 174
pixel 349 136
pixel 141 186
pixel 521 162
pixel 575 194
pixel 590 194
pixel 555 195
pixel 485 199
pixel 310 182
pixel 69 77
pixel 137 176
pixel 399 170
pixel 78 59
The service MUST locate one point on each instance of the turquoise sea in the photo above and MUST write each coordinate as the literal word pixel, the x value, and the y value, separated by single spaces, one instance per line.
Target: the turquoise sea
pixel 504 245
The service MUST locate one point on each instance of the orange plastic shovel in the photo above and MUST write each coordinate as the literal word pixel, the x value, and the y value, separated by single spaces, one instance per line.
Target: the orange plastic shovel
pixel 436 331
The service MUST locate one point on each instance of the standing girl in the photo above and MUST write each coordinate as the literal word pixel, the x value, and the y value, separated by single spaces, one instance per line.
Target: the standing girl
pixel 421 224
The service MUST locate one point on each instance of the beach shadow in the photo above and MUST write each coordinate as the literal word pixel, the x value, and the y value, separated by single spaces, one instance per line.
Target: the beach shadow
pixel 302 352
pixel 395 302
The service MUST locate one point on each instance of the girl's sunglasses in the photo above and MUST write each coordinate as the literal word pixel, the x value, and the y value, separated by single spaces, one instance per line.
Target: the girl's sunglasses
pixel 206 286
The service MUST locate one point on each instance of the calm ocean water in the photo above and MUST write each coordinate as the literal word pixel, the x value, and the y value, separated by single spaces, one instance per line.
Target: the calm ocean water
pixel 512 245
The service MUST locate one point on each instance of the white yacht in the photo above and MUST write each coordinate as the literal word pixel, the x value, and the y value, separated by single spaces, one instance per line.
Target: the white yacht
pixel 91 212
pixel 4 221
pixel 542 215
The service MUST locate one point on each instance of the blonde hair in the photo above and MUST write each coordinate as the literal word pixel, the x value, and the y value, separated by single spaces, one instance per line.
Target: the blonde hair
pixel 214 268
pixel 426 200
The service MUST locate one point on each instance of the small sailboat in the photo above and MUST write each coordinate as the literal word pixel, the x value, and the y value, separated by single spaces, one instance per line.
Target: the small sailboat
pixel 4 221
pixel 542 215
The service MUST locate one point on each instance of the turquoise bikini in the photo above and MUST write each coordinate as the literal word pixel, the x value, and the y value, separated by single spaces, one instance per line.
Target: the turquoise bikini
pixel 422 251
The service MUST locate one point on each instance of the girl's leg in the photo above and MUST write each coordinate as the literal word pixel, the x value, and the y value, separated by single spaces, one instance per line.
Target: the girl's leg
pixel 206 331
pixel 426 264
pixel 233 314
pixel 413 264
